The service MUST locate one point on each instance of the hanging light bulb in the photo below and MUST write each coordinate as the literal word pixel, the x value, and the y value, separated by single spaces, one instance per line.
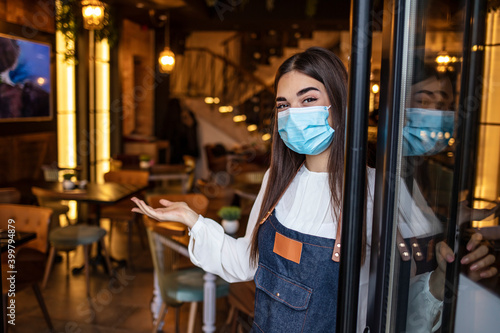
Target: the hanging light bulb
pixel 167 57
pixel 93 14
pixel 166 60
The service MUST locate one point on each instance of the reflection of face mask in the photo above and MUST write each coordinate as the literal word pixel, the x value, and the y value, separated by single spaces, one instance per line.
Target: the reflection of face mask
pixel 306 130
pixel 427 132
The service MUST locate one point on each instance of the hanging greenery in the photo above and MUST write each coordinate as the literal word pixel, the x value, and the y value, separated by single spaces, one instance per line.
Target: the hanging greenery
pixel 311 8
pixel 493 5
pixel 69 21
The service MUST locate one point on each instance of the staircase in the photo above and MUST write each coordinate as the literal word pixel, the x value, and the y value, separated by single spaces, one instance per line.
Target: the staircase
pixel 202 73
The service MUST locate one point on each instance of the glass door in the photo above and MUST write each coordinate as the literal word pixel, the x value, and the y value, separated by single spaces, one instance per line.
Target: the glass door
pixel 435 206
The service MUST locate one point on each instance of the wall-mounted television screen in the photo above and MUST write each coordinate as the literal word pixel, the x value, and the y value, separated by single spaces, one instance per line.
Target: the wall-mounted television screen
pixel 25 80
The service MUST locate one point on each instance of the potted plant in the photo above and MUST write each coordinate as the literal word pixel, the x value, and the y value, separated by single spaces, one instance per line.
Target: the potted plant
pixel 68 183
pixel 144 161
pixel 230 216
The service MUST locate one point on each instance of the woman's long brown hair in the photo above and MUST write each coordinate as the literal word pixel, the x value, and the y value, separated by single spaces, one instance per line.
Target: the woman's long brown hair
pixel 325 67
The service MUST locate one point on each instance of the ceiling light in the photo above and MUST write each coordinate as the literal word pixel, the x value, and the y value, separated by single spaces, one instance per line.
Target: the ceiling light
pixel 252 127
pixel 167 57
pixel 239 118
pixel 266 137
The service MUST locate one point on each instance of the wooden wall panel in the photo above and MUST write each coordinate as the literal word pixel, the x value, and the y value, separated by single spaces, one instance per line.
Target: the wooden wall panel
pixel 31 14
pixel 22 156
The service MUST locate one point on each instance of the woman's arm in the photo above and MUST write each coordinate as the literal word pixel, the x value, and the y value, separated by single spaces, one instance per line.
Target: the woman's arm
pixel 209 247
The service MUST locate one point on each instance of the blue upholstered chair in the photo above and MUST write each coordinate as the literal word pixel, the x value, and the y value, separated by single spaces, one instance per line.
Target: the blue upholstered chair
pixel 177 285
pixel 70 237
pixel 73 236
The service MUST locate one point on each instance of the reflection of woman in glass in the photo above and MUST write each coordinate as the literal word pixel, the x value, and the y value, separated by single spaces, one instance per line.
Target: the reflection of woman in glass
pixel 294 224
pixel 425 195
pixel 18 100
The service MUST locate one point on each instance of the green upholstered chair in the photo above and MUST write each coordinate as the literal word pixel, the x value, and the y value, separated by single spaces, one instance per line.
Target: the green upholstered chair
pixel 178 282
pixel 178 286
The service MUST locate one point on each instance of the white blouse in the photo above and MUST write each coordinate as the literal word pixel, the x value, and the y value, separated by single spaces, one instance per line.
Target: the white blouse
pixel 306 200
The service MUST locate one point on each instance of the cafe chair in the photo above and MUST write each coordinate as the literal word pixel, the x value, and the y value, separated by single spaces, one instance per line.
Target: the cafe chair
pixel 241 300
pixel 10 195
pixel 31 256
pixel 46 199
pixel 190 163
pixel 70 237
pixel 122 211
pixel 177 284
pixel 58 208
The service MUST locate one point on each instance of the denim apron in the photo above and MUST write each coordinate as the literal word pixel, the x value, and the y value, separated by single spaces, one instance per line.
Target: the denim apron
pixel 295 297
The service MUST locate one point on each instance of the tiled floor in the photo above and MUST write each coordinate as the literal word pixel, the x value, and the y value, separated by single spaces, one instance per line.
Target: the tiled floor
pixel 119 304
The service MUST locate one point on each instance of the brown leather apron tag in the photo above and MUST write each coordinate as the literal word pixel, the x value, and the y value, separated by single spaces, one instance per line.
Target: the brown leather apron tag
pixel 287 248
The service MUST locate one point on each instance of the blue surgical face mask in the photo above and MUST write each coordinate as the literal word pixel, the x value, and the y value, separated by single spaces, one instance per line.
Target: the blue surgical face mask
pixel 427 132
pixel 306 130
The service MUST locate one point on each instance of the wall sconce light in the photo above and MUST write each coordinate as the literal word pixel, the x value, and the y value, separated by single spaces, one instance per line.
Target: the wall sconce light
pixel 93 14
pixel 167 57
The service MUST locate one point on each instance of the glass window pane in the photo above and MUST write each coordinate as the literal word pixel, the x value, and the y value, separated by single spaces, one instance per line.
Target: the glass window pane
pixel 433 69
pixel 427 160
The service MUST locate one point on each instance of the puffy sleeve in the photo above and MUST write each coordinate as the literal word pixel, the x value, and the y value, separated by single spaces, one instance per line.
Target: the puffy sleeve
pixel 423 307
pixel 216 252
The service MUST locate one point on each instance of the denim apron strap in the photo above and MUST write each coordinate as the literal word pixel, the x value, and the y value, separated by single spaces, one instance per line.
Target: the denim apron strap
pixel 336 247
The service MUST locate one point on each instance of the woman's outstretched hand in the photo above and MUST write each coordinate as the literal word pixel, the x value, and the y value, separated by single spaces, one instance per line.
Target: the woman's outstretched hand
pixel 172 211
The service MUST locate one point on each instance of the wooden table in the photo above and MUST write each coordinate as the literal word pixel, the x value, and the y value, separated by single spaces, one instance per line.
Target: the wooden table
pixel 97 194
pixel 174 235
pixel 20 238
pixel 166 172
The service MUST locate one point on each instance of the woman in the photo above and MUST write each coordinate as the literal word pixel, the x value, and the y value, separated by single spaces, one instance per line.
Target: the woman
pixel 292 241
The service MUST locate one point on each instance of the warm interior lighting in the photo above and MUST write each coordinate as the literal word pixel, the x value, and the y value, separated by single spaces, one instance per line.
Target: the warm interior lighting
pixel 252 127
pixel 65 106
pixel 487 172
pixel 443 59
pixel 166 60
pixel 225 109
pixel 93 14
pixel 266 137
pixel 212 100
pixel 102 107
pixel 375 88
pixel 239 118
pixel 167 57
